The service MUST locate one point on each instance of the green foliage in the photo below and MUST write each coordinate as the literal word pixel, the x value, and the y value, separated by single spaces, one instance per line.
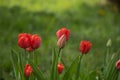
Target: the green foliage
pixel 111 73
pixel 17 65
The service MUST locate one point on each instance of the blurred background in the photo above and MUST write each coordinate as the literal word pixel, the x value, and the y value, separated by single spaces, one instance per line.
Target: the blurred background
pixel 96 20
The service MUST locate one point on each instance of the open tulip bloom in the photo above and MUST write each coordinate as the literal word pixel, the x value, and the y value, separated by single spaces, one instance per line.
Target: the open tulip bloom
pixel 25 64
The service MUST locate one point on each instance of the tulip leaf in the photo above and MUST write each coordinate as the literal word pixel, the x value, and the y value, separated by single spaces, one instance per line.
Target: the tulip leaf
pixel 111 72
pixel 94 75
pixel 71 70
pixel 36 71
pixel 54 72
pixel 14 60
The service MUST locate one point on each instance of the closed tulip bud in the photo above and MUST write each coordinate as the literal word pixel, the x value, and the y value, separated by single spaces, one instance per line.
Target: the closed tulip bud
pixel 61 41
pixel 85 46
pixel 24 40
pixel 27 70
pixel 35 41
pixel 109 43
pixel 118 65
pixel 60 68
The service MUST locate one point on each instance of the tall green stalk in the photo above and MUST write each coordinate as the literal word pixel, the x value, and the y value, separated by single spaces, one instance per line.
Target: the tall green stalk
pixel 78 68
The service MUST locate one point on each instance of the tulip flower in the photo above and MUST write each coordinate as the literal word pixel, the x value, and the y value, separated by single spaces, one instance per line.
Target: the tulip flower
pixel 85 46
pixel 29 42
pixel 118 65
pixel 63 31
pixel 60 68
pixel 35 41
pixel 27 70
pixel 24 40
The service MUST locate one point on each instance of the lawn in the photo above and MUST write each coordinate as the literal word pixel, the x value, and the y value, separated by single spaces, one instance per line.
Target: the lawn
pixel 86 20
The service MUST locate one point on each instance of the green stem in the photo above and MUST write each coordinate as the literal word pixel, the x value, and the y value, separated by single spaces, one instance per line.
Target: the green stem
pixel 59 58
pixel 106 57
pixel 59 52
pixel 108 52
pixel 78 68
pixel 26 78
pixel 35 61
pixel 28 56
pixel 35 58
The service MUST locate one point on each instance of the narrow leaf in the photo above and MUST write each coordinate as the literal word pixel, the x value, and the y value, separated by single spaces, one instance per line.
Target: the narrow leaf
pixel 71 70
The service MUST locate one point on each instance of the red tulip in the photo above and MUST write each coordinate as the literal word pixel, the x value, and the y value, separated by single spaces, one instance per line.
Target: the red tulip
pixel 28 41
pixel 60 68
pixel 61 41
pixel 35 41
pixel 27 70
pixel 63 31
pixel 85 47
pixel 24 40
pixel 118 65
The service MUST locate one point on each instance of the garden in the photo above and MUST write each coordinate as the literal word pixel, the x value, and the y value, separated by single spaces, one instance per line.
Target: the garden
pixel 59 40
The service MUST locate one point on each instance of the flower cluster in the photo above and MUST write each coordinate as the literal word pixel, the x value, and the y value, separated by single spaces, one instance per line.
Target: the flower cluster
pixel 63 35
pixel 29 42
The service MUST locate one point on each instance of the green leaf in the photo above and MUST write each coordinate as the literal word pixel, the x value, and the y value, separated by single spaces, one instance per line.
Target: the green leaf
pixel 66 67
pixel 14 60
pixel 54 72
pixel 36 71
pixel 21 69
pixel 71 70
pixel 110 71
pixel 94 75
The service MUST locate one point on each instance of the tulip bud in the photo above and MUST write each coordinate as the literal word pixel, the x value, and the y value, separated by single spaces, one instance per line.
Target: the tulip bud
pixel 61 41
pixel 60 68
pixel 118 65
pixel 109 43
pixel 27 70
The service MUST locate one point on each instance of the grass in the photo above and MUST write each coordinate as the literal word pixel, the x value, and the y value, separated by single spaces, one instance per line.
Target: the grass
pixel 85 20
